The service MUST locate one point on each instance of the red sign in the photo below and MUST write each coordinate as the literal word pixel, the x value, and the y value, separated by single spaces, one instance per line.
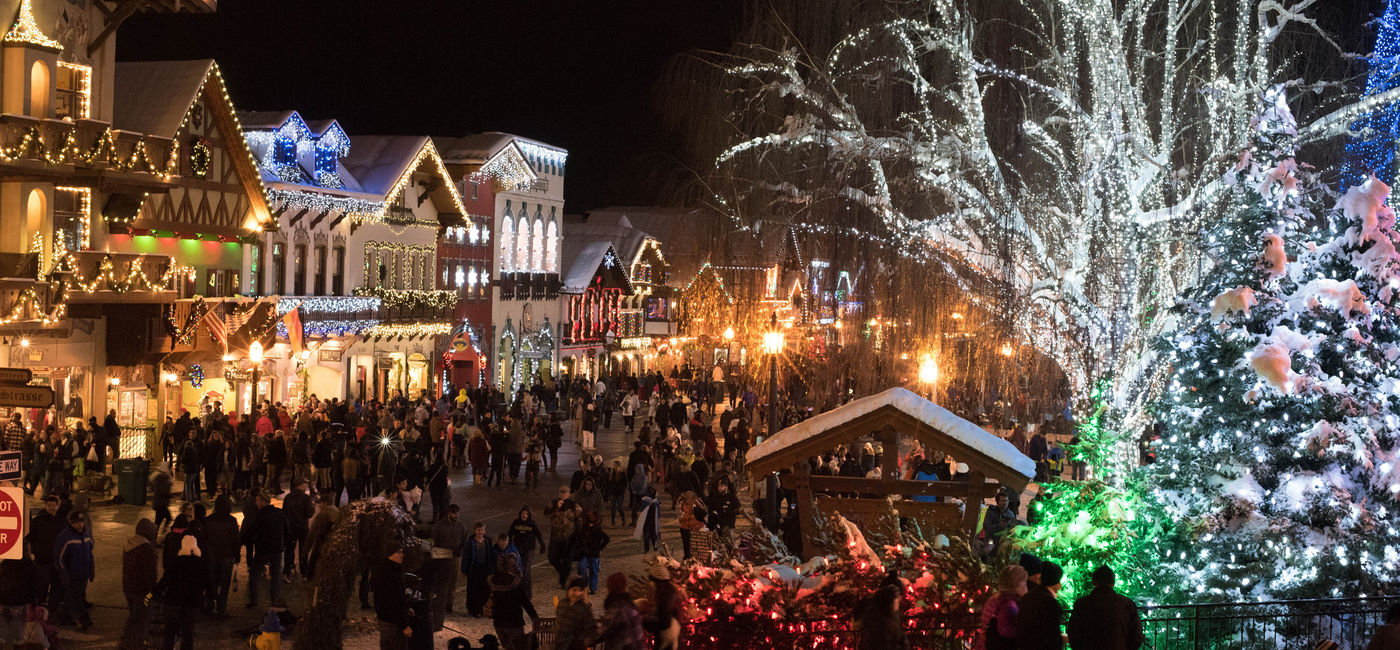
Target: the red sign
pixel 12 521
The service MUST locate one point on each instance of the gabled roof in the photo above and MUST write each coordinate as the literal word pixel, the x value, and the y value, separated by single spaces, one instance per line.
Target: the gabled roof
pixel 266 120
pixel 582 257
pixel 155 96
pixel 938 427
pixel 384 164
pixel 687 235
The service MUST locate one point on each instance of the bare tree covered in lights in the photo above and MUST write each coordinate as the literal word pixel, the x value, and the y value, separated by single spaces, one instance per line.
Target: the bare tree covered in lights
pixel 1052 160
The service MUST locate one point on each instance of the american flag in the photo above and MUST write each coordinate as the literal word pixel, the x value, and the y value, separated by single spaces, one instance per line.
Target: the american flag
pixel 217 329
pixel 239 317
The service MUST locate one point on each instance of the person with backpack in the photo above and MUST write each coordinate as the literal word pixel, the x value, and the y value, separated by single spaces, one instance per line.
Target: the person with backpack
pixel 191 455
pixel 997 622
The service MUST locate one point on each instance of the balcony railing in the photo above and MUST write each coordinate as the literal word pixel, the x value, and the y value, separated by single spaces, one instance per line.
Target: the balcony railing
pixel 97 276
pixel 524 285
pixel 59 147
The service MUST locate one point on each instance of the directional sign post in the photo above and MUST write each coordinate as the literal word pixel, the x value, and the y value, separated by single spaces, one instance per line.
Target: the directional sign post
pixel 12 521
pixel 35 397
pixel 19 376
pixel 9 465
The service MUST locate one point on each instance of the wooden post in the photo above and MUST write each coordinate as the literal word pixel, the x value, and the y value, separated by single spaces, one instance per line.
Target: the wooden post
pixel 889 465
pixel 803 485
pixel 972 508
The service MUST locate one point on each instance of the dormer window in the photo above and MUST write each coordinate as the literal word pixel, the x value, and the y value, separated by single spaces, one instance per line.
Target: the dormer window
pixel 284 152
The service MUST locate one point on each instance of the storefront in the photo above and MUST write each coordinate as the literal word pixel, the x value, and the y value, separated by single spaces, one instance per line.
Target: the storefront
pixel 64 361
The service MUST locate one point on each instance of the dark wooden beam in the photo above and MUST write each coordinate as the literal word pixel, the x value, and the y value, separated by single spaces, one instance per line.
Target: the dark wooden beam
pixel 102 6
pixel 297 218
pixel 114 20
pixel 319 218
pixel 336 221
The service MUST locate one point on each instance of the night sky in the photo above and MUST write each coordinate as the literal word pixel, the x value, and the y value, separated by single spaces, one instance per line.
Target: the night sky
pixel 580 75
pixel 584 75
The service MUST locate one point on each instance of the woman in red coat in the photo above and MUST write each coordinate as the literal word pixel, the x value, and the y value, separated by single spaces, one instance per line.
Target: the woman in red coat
pixel 479 453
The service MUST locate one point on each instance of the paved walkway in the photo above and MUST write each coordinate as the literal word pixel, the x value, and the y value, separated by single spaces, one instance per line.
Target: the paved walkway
pixel 497 506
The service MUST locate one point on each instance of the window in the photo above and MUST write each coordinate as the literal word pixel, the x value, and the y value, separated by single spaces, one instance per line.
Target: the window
pixel 74 89
pixel 551 248
pixel 320 286
pixel 461 275
pixel 446 269
pixel 427 275
pixel 522 244
pixel 222 282
pixel 471 234
pixel 338 279
pixel 279 268
pixel 537 245
pixel 71 209
pixel 474 186
pixel 299 271
pixel 507 246
pixel 284 152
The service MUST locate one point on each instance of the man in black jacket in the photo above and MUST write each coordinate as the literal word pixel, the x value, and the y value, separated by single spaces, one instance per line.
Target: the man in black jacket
pixel 221 551
pixel 1103 619
pixel 44 528
pixel 1038 624
pixel 298 508
pixel 266 531
pixel 390 605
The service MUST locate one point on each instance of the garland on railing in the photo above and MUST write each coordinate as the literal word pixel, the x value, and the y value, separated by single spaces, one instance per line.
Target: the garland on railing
pixel 135 278
pixel 31 145
pixel 184 332
pixel 411 298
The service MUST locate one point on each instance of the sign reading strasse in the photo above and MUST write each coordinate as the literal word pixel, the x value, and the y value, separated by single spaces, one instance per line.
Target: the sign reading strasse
pixel 15 375
pixel 9 465
pixel 38 397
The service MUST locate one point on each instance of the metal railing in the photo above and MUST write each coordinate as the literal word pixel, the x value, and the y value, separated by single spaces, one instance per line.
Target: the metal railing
pixel 1350 622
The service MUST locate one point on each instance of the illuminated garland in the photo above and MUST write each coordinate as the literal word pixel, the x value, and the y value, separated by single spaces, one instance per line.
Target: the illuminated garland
pixel 29 299
pixel 359 210
pixel 196 375
pixel 329 304
pixel 135 278
pixel 407 330
pixel 410 298
pixel 26 31
pixel 329 328
pixel 31 145
pixel 184 333
pixel 200 157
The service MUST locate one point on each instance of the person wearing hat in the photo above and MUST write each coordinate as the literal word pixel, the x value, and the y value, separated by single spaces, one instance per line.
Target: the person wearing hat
pixel 138 579
pixel 44 528
pixel 997 621
pixel 186 581
pixel 1038 625
pixel 621 625
pixel 663 622
pixel 1103 618
pixel 510 603
pixel 574 625
pixel 269 633
pixel 390 605
pixel 73 556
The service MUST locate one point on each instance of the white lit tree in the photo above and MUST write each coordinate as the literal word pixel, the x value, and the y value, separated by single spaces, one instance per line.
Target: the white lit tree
pixel 1278 463
pixel 1056 157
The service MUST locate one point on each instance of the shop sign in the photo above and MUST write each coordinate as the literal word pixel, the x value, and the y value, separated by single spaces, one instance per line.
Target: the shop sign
pixel 331 354
pixel 15 375
pixel 39 397
pixel 36 354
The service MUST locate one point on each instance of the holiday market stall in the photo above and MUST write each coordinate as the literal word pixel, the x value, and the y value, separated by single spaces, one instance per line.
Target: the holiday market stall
pixel 894 416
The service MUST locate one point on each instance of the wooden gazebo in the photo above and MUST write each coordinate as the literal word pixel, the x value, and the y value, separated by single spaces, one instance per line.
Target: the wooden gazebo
pixel 889 417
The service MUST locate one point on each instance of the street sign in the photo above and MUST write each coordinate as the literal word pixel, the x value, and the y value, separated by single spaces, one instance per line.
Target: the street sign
pixel 9 465
pixel 12 522
pixel 15 375
pixel 36 397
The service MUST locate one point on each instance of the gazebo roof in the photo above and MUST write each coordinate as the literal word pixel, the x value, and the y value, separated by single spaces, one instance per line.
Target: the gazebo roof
pixel 905 411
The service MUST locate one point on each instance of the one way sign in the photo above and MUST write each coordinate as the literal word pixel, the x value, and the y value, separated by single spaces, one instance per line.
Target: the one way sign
pixel 9 465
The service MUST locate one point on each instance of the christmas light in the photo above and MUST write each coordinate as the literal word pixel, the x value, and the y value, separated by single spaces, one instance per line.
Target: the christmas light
pixel 407 330
pixel 25 31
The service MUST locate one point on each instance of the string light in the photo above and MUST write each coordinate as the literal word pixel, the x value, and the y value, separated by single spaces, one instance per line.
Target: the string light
pixel 25 31
pixel 407 330
pixel 411 298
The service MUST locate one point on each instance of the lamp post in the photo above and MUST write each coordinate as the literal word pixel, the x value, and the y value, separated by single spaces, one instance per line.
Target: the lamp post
pixel 255 355
pixel 928 374
pixel 728 344
pixel 773 345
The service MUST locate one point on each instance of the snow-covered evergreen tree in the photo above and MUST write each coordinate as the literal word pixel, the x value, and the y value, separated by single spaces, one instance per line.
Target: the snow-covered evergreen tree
pixel 1372 151
pixel 1278 465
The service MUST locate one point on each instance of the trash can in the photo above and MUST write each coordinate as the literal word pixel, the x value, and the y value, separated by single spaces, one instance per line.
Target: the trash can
pixel 131 480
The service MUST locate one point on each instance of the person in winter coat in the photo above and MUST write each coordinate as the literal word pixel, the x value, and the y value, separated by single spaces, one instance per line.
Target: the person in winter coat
pixel 588 544
pixel 1038 625
pixel 534 455
pixel 390 603
pixel 451 534
pixel 1103 619
pixel 138 580
pixel 621 626
pixel 20 587
pixel 723 509
pixel 663 622
pixel 1388 635
pixel 221 551
pixel 186 580
pixel 161 486
pixel 615 486
pixel 997 623
pixel 648 528
pixel 509 604
pixel 590 498
pixel 266 531
pixel 327 515
pixel 436 480
pixel 525 537
pixel 72 554
pixel 479 455
pixel 881 626
pixel 44 528
pixel 692 517
pixel 298 508
pixel 574 625
pixel 563 516
pixel 475 551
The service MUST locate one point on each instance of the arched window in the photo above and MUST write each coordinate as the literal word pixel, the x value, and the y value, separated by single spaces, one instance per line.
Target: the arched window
pixel 522 244
pixel 507 243
pixel 39 89
pixel 537 245
pixel 551 248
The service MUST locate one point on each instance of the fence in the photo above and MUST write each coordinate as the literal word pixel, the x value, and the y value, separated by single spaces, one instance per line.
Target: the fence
pixel 1274 624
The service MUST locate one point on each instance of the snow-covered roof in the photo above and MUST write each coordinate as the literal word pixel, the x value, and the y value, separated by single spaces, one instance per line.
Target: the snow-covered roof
pixel 970 435
pixel 378 161
pixel 687 235
pixel 581 257
pixel 613 228
pixel 154 96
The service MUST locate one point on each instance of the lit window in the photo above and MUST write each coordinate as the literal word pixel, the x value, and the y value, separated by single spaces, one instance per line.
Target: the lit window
pixel 74 90
pixel 471 234
pixel 461 276
pixel 471 277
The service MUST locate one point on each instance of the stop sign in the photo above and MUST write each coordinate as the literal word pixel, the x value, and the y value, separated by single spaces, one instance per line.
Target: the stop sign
pixel 12 522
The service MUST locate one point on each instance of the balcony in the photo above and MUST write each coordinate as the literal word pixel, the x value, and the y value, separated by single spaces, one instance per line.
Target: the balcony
pixel 95 277
pixel 86 152
pixel 25 301
pixel 523 285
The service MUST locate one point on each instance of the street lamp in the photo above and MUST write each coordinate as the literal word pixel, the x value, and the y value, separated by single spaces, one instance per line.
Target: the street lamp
pixel 928 374
pixel 255 355
pixel 728 343
pixel 773 345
